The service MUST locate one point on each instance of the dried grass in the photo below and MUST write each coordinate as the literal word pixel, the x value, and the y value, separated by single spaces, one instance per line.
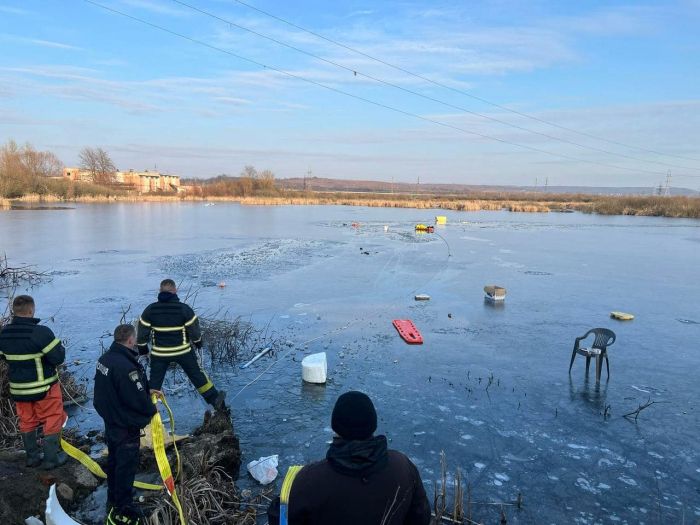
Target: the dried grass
pixel 208 496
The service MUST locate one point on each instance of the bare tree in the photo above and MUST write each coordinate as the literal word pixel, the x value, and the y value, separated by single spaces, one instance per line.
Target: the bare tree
pixel 98 162
pixel 42 163
pixel 267 180
pixel 247 180
pixel 249 171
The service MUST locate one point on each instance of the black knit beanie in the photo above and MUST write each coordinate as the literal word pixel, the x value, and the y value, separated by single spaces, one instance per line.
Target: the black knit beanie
pixel 354 416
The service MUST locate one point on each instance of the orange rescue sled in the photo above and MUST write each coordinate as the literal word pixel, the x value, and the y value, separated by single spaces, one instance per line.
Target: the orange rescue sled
pixel 408 331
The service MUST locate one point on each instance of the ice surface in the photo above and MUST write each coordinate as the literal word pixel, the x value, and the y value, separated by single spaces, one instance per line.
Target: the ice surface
pixel 428 398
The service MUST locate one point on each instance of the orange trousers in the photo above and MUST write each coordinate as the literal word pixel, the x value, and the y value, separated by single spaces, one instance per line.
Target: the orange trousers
pixel 48 411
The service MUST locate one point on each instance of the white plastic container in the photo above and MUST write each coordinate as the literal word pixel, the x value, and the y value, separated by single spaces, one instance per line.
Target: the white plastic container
pixel 314 368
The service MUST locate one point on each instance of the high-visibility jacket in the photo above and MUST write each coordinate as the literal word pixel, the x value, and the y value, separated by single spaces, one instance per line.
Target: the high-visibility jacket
pixel 170 326
pixel 33 354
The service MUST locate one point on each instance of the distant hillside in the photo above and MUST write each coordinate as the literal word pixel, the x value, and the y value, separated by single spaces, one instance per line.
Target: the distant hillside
pixel 321 184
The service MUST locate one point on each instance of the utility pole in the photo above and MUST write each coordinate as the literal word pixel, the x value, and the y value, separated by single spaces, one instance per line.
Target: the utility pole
pixel 667 189
pixel 535 185
pixel 307 175
pixel 546 183
pixel 418 188
pixel 392 184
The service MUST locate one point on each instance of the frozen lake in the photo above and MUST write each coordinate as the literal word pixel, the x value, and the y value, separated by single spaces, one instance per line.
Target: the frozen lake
pixel 535 429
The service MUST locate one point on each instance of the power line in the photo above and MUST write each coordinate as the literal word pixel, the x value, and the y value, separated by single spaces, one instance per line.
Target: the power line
pixel 357 72
pixel 435 82
pixel 378 104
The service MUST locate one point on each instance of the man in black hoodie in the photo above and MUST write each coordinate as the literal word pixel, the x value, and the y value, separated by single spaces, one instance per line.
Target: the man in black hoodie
pixel 122 399
pixel 172 328
pixel 359 482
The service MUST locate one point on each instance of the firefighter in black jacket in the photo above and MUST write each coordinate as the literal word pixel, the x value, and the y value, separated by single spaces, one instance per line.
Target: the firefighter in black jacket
pixel 172 328
pixel 33 354
pixel 122 399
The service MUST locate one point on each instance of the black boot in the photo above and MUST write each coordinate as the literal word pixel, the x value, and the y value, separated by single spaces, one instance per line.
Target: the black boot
pixel 125 516
pixel 30 446
pixel 220 401
pixel 53 455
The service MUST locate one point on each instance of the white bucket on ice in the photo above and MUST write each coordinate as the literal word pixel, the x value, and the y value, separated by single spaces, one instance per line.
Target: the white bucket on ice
pixel 314 368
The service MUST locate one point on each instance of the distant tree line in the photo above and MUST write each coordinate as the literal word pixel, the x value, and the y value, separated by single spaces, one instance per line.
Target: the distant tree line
pixel 25 170
pixel 248 183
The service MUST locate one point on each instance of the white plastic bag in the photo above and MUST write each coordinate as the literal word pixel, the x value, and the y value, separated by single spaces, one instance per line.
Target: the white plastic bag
pixel 264 470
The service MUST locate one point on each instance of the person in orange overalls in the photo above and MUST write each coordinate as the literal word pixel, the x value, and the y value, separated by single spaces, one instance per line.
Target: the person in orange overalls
pixel 33 354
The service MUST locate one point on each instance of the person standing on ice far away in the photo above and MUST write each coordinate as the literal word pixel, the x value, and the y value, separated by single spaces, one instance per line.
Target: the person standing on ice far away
pixel 172 328
pixel 122 398
pixel 359 482
pixel 33 354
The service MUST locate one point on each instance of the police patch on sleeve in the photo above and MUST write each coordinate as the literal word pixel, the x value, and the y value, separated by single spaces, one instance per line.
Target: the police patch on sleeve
pixel 134 375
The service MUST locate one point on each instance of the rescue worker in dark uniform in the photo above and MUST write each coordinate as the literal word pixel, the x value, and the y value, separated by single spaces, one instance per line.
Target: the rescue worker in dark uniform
pixel 172 328
pixel 33 354
pixel 122 399
pixel 361 481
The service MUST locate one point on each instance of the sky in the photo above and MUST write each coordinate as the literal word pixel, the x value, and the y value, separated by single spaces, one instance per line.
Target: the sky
pixel 73 74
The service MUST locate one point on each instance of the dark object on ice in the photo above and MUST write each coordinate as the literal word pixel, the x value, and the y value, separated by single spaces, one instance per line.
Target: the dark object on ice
pixel 599 350
pixel 360 481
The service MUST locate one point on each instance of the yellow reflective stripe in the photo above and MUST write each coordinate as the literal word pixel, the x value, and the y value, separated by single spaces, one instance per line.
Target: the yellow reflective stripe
pixel 144 323
pixel 39 369
pixel 206 386
pixel 167 328
pixel 30 392
pixel 169 354
pixel 189 323
pixel 41 382
pixel 287 485
pixel 198 340
pixel 25 357
pixel 50 346
pixel 170 348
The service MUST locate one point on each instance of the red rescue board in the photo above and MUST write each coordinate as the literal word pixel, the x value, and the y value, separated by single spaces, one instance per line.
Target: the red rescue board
pixel 408 331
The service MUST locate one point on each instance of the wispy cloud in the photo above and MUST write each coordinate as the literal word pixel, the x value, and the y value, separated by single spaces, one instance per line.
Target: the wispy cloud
pixel 233 101
pixel 39 42
pixel 155 6
pixel 48 43
pixel 362 12
pixel 113 62
pixel 13 10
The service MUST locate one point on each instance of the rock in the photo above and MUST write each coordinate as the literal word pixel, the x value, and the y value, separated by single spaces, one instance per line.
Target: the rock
pixel 86 479
pixel 65 491
pixel 314 368
pixel 422 297
pixel 621 316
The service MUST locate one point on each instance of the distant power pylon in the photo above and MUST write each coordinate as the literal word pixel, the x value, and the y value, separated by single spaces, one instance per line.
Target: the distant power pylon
pixel 667 189
pixel 307 175
pixel 535 184
pixel 546 183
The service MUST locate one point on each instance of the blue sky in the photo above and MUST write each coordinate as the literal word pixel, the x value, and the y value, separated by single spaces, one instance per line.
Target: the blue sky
pixel 72 74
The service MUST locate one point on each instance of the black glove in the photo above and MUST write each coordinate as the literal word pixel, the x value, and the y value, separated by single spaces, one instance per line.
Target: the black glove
pixel 143 350
pixel 198 344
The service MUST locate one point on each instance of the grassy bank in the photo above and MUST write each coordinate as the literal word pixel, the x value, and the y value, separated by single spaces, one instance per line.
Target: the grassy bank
pixel 688 207
pixel 679 207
